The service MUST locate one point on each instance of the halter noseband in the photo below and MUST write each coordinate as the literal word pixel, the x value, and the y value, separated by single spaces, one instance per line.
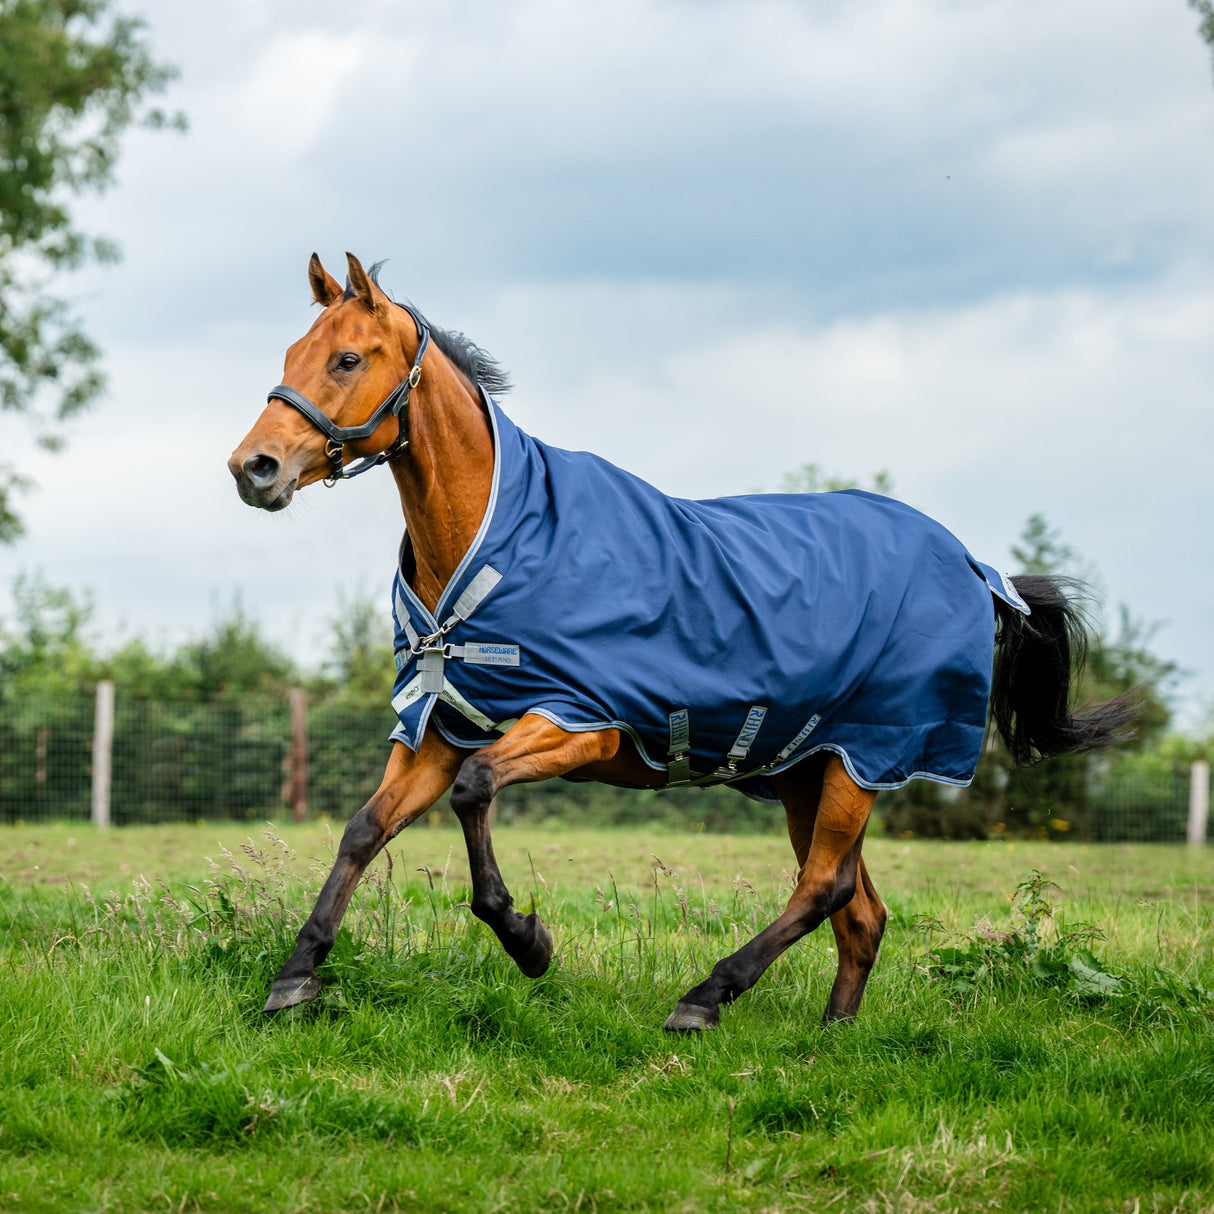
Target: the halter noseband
pixel 393 405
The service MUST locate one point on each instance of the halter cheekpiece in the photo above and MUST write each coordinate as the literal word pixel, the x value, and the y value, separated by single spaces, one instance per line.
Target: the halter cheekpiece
pixel 393 405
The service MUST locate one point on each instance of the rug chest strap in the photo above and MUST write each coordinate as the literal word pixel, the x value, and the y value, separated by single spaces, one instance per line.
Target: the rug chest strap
pixel 432 652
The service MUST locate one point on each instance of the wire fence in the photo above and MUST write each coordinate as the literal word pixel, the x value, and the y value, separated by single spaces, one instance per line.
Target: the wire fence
pixel 179 762
pixel 1134 807
pixel 186 761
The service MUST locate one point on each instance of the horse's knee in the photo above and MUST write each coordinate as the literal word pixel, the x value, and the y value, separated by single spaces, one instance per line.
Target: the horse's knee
pixel 843 889
pixel 362 837
pixel 820 896
pixel 834 893
pixel 473 787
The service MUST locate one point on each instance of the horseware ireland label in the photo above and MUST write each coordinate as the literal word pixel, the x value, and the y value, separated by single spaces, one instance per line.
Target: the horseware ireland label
pixel 491 654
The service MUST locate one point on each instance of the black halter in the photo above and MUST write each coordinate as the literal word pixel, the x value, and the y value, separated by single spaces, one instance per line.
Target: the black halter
pixel 393 405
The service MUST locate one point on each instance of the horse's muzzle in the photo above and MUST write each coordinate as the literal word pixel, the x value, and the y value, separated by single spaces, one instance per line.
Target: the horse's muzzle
pixel 260 482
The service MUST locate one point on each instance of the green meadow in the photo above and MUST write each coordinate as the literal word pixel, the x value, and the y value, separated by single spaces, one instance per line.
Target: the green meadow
pixel 1038 1034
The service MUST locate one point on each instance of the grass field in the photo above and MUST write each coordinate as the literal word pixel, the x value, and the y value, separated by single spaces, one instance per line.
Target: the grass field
pixel 1006 1057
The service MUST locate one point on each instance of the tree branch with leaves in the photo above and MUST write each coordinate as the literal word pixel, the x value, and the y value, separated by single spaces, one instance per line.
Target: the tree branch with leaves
pixel 74 76
pixel 1205 10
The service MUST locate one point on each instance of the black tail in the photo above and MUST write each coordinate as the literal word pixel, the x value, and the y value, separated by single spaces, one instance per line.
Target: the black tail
pixel 1036 658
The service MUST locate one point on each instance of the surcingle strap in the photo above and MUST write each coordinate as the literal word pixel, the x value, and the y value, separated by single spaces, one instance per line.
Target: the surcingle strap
pixel 678 768
pixel 745 740
pixel 806 730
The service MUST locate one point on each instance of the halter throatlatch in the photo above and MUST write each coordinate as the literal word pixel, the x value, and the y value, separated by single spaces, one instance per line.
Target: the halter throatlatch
pixel 393 405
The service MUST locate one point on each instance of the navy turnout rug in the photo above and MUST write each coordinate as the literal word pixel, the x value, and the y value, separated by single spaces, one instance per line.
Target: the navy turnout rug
pixel 729 638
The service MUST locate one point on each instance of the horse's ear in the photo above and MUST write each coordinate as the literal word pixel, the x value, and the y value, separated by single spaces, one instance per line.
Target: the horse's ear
pixel 325 288
pixel 363 288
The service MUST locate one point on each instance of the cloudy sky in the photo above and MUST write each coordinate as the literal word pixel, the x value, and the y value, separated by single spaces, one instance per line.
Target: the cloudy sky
pixel 967 241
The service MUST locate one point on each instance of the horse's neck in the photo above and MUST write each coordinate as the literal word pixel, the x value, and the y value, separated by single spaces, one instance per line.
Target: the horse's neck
pixel 444 475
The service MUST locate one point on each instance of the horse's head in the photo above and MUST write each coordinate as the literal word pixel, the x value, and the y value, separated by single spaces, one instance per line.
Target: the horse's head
pixel 347 363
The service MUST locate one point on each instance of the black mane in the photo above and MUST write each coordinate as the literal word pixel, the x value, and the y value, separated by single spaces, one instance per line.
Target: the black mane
pixel 478 365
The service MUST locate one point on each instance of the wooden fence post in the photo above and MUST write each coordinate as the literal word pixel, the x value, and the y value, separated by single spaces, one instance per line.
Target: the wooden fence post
pixel 1199 801
pixel 299 754
pixel 103 751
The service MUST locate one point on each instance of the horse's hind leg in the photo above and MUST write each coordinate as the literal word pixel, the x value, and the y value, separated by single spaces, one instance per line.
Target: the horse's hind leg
pixel 858 929
pixel 533 749
pixel 411 784
pixel 858 926
pixel 827 883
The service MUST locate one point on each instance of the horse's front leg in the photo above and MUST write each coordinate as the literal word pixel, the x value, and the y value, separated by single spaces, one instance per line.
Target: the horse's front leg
pixel 534 749
pixel 411 784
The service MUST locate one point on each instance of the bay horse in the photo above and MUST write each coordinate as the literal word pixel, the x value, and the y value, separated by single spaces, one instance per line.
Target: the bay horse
pixel 608 620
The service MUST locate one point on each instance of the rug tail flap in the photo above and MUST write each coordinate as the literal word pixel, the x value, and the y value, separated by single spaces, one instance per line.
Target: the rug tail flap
pixel 1001 586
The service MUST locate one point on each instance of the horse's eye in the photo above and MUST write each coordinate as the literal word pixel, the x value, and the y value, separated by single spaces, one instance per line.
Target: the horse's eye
pixel 346 361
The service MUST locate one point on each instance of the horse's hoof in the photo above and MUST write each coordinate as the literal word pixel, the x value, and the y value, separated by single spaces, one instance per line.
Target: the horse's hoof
pixel 290 992
pixel 538 957
pixel 688 1018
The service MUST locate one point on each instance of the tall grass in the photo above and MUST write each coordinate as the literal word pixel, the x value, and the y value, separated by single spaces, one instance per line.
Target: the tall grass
pixel 1007 1056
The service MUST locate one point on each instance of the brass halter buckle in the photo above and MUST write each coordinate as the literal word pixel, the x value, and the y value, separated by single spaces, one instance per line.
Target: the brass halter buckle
pixel 333 455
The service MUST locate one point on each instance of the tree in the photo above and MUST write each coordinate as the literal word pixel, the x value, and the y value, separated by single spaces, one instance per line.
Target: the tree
pixel 51 648
pixel 359 669
pixel 1041 549
pixel 48 648
pixel 1205 10
pixel 1117 661
pixel 73 77
pixel 236 662
pixel 809 478
pixel 1057 795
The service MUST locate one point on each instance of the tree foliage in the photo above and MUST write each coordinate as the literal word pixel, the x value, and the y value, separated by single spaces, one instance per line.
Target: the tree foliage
pixel 73 76
pixel 50 647
pixel 358 668
pixel 47 647
pixel 1041 549
pixel 1205 10
pixel 811 478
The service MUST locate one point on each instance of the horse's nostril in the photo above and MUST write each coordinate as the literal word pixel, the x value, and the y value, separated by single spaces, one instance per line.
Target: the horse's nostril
pixel 261 469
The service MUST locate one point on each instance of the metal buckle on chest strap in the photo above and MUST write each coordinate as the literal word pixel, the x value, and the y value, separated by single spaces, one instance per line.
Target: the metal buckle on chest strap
pixel 431 651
